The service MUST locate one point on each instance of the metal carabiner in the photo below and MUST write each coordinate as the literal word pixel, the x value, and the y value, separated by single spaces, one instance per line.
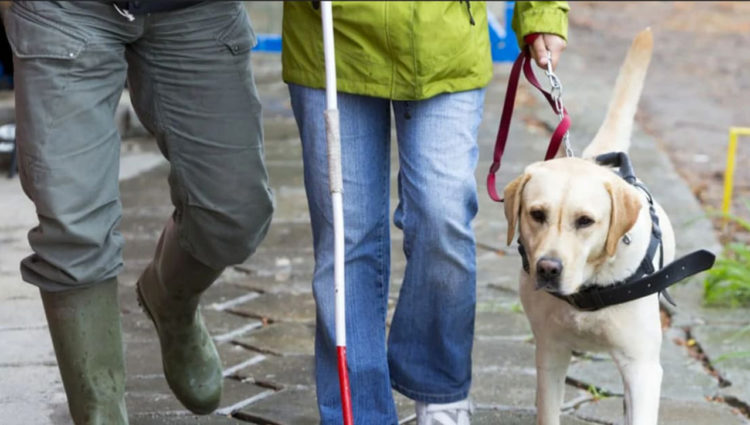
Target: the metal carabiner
pixel 556 91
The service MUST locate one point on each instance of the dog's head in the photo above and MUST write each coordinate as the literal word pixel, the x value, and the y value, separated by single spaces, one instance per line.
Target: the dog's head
pixel 572 214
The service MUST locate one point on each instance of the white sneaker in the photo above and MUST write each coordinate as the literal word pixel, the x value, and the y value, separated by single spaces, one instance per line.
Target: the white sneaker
pixel 456 413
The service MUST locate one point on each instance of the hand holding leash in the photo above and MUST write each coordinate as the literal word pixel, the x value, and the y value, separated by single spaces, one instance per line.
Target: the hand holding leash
pixel 547 47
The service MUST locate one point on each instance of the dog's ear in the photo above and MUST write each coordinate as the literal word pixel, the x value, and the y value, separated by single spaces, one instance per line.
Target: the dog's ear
pixel 512 195
pixel 625 207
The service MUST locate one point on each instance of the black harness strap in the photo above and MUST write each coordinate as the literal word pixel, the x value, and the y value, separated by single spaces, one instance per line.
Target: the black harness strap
pixel 645 280
pixel 595 298
pixel 625 169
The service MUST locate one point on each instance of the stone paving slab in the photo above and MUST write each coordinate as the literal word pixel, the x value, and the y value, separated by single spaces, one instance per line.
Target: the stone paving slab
pixel 503 324
pixel 151 394
pixel 224 324
pixel 143 358
pixel 183 419
pixel 235 357
pixel 286 232
pixel 24 346
pixel 286 371
pixel 26 314
pixel 728 348
pixel 671 412
pixel 510 417
pixel 288 407
pixel 276 308
pixel 277 271
pixel 273 286
pixel 499 270
pixel 224 296
pixel 281 339
pixel 501 353
pixel 684 377
pixel 504 386
pixel 238 394
pixel 137 327
pixel 18 407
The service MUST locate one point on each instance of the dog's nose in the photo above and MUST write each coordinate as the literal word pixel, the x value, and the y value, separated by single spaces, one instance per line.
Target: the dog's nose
pixel 548 268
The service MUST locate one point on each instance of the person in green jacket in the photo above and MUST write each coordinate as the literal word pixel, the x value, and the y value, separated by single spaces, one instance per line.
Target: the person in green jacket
pixel 428 63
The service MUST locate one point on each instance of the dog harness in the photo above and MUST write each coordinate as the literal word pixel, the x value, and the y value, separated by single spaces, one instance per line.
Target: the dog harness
pixel 645 280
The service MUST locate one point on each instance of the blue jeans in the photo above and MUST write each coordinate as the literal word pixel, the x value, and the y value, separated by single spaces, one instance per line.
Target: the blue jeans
pixel 428 355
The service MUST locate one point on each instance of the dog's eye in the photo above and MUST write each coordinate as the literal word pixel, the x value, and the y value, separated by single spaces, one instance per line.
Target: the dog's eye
pixel 584 221
pixel 538 215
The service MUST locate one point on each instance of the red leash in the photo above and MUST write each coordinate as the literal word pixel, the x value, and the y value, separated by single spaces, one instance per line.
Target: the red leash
pixel 523 61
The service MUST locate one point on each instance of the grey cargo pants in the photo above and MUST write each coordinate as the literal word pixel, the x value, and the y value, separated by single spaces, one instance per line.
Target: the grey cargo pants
pixel 191 85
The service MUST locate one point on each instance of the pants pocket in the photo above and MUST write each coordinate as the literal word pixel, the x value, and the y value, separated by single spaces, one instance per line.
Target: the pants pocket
pixel 239 37
pixel 34 36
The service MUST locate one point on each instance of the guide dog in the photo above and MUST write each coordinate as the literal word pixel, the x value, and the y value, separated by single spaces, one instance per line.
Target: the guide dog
pixel 581 225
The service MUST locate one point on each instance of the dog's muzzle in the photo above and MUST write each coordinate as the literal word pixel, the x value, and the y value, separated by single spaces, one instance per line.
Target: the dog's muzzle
pixel 548 273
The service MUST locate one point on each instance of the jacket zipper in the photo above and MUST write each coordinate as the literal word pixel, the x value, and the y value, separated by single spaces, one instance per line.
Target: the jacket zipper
pixel 468 9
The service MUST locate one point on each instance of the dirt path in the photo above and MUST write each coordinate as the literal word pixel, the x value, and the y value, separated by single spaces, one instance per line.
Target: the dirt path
pixel 697 87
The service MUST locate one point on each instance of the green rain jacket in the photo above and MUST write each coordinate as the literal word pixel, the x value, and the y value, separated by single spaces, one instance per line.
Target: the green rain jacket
pixel 404 50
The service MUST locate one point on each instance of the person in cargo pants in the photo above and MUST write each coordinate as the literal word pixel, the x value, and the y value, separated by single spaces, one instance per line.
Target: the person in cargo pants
pixel 187 65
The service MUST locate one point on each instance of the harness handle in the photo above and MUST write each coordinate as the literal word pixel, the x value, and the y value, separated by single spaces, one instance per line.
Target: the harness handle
pixel 523 62
pixel 619 160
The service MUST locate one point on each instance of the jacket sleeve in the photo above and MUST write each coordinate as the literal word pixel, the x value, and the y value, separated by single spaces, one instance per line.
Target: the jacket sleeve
pixel 531 17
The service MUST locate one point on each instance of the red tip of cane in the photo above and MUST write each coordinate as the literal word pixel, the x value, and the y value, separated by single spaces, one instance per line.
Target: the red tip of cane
pixel 346 391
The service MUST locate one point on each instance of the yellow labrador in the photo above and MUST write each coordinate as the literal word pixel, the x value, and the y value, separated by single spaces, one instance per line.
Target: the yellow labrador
pixel 579 224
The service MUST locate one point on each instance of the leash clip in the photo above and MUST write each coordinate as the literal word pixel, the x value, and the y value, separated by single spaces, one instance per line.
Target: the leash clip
pixel 554 81
pixel 560 135
pixel 556 92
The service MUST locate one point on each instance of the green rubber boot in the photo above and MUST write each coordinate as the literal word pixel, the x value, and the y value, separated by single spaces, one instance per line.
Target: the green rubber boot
pixel 85 328
pixel 169 291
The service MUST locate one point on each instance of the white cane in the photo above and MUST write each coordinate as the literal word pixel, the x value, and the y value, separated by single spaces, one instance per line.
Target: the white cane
pixel 333 137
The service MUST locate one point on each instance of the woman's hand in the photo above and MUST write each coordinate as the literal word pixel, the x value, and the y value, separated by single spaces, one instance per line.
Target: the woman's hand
pixel 547 42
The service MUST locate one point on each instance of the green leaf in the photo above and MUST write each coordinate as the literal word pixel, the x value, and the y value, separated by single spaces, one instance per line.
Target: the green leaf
pixel 732 355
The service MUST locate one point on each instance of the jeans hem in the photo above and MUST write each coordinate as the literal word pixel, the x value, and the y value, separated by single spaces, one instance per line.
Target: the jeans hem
pixel 430 397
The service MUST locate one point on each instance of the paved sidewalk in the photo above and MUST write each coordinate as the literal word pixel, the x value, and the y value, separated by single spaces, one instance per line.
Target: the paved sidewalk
pixel 261 313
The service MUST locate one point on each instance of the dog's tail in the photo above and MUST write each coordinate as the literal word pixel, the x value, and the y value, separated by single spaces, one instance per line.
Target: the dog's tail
pixel 614 134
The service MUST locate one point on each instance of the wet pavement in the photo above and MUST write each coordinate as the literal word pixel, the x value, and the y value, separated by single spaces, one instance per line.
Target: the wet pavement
pixel 261 312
